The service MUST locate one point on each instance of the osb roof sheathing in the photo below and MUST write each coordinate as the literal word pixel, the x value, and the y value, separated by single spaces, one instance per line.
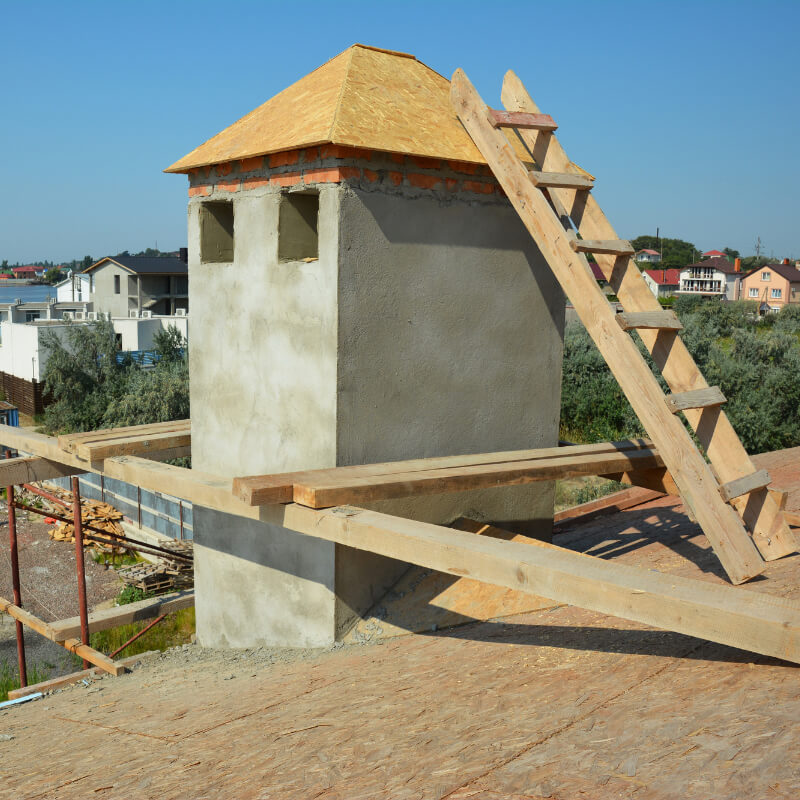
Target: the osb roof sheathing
pixel 364 97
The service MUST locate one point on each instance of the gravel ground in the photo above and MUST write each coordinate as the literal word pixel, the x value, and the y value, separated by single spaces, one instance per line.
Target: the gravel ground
pixel 49 589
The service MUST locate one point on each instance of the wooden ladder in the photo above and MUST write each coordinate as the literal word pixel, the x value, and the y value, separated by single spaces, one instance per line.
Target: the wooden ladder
pixel 552 197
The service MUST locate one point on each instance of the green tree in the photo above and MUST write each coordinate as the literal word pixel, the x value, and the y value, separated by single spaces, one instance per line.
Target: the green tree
pixel 730 253
pixel 52 275
pixel 87 262
pixel 675 252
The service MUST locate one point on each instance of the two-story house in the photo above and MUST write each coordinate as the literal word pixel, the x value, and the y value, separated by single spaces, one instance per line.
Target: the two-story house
pixel 773 286
pixel 126 286
pixel 713 277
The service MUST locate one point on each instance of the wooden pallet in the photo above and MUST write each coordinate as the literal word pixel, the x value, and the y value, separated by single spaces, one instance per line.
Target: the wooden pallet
pixel 549 205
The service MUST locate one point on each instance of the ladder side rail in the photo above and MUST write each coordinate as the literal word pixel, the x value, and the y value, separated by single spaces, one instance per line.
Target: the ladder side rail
pixel 699 488
pixel 759 510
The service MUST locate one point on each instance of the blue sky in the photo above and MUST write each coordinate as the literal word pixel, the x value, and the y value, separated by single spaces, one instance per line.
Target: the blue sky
pixel 686 112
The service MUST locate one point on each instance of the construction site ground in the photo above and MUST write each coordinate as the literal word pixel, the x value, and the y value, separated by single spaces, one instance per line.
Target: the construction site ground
pixel 554 703
pixel 49 591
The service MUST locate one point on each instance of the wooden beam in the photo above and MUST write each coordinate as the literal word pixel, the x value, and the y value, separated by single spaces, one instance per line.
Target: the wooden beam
pixel 71 441
pixel 616 247
pixel 724 529
pixel 73 645
pixel 610 504
pixel 31 469
pixel 124 615
pixel 652 320
pixel 697 398
pixel 210 491
pixel 559 180
pixel 714 430
pixel 506 119
pixel 133 444
pixel 279 488
pixel 746 619
pixel 74 677
pixel 733 489
pixel 331 489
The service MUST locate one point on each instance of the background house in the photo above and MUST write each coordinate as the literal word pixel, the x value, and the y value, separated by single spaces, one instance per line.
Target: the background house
pixel 713 277
pixel 125 284
pixel 662 282
pixel 773 286
pixel 28 273
pixel 648 256
pixel 74 288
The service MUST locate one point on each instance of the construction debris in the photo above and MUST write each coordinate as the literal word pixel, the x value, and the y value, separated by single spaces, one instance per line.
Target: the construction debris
pixel 165 576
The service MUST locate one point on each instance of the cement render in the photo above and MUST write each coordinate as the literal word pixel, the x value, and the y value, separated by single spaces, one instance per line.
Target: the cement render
pixel 425 328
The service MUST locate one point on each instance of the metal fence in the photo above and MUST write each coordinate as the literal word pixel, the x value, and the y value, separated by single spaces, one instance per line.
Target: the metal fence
pixel 156 511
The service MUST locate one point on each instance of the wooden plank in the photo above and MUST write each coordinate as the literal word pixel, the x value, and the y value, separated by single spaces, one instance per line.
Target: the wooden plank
pixel 734 548
pixel 331 489
pixel 615 247
pixel 133 445
pixel 70 441
pixel 610 504
pixel 697 398
pixel 73 645
pixel 73 678
pixel 758 480
pixel 714 431
pixel 124 615
pixel 506 119
pixel 209 491
pixel 31 469
pixel 559 180
pixel 268 489
pixel 734 616
pixel 659 480
pixel 651 320
pixel 792 518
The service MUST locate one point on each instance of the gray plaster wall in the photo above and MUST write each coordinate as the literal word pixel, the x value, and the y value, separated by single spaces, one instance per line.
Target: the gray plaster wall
pixel 450 341
pixel 426 328
pixel 263 397
pixel 103 296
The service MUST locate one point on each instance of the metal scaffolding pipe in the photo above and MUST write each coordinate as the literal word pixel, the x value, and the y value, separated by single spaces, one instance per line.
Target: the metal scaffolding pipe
pixel 12 532
pixel 80 565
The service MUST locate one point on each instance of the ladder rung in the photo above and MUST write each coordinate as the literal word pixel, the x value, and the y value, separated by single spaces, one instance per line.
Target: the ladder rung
pixel 521 119
pixel 697 398
pixel 657 320
pixel 749 483
pixel 611 247
pixel 560 180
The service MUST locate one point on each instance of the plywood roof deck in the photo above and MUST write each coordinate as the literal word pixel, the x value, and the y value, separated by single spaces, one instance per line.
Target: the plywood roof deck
pixel 365 97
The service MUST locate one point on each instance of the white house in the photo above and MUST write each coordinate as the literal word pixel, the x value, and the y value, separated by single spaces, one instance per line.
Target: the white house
pixel 76 288
pixel 714 277
pixel 662 282
pixel 648 256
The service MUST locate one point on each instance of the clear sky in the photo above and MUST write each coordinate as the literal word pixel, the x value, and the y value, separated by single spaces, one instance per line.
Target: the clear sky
pixel 687 113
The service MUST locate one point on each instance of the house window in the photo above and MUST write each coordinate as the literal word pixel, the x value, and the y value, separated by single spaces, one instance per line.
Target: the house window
pixel 776 294
pixel 766 275
pixel 116 284
pixel 118 340
pixel 32 316
pixel 753 292
pixel 216 232
pixel 297 227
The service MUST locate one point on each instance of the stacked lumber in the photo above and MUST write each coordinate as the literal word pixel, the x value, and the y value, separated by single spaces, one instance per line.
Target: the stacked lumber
pixel 94 513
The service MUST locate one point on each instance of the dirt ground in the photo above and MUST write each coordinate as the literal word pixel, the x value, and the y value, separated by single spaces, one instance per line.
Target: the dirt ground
pixel 49 590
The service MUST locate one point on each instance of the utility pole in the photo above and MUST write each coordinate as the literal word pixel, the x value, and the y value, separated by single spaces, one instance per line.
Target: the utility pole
pixel 758 247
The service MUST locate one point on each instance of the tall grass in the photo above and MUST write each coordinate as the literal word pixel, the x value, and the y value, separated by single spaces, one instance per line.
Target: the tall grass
pixel 9 677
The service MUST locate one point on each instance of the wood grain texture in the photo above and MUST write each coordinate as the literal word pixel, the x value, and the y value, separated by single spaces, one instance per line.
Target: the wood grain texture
pixel 712 427
pixel 734 616
pixel 559 180
pixel 31 469
pixel 279 488
pixel 698 486
pixel 71 441
pixel 651 320
pixel 758 480
pixel 510 119
pixel 616 247
pixel 697 398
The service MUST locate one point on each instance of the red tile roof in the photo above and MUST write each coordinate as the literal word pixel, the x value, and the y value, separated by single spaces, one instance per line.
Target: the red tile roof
pixel 665 277
pixel 714 253
pixel 597 272
pixel 650 252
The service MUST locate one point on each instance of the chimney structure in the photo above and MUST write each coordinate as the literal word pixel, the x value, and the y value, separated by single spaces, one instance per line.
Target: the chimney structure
pixel 369 295
pixel 737 265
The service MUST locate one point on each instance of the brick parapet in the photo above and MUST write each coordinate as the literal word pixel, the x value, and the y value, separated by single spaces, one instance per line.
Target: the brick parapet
pixel 364 169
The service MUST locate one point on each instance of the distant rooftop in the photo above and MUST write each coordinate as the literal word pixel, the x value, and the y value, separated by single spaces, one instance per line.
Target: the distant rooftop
pixel 146 265
pixel 365 97
pixel 720 263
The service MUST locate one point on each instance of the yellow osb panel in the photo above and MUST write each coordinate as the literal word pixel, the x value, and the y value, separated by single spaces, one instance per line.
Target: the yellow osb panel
pixel 364 97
